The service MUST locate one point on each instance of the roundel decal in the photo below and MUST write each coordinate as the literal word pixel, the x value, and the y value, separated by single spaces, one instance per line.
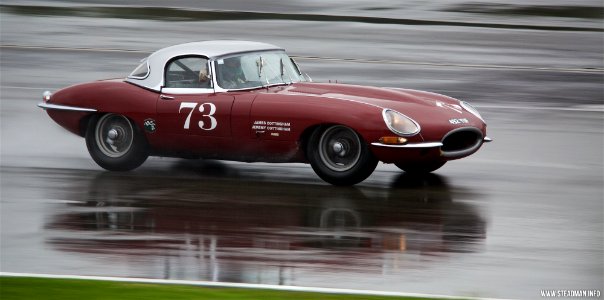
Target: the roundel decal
pixel 150 125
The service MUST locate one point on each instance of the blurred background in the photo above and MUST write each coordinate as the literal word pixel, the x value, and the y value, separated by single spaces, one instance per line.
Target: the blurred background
pixel 523 214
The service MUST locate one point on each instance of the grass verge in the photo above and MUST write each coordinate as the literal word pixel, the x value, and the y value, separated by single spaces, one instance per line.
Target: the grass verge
pixel 67 289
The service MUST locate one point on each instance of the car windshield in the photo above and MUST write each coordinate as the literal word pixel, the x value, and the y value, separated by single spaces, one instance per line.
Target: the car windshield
pixel 258 69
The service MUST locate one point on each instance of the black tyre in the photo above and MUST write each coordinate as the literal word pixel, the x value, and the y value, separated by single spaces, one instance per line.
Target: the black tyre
pixel 421 168
pixel 339 156
pixel 115 143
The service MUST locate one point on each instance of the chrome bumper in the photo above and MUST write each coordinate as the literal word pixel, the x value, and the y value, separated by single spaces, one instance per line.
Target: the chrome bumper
pixel 422 145
pixel 415 145
pixel 45 105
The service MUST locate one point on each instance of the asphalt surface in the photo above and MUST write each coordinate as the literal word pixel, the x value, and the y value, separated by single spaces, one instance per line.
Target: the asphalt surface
pixel 522 215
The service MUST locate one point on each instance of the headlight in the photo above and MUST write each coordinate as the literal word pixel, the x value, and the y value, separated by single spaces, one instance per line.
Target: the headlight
pixel 399 123
pixel 471 109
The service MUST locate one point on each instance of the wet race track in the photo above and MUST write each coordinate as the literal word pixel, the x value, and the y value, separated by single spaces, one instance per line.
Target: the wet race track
pixel 522 215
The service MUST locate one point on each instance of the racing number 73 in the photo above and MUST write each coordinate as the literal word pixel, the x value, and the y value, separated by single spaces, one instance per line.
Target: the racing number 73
pixel 205 115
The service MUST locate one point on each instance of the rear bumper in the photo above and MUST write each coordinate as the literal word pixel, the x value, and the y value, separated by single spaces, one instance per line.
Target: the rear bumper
pixel 46 105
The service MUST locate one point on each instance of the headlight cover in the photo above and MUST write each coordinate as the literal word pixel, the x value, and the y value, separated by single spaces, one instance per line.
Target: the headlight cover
pixel 399 123
pixel 471 109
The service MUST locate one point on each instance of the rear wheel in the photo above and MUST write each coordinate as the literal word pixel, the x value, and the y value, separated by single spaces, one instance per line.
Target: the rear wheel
pixel 115 143
pixel 339 156
pixel 420 168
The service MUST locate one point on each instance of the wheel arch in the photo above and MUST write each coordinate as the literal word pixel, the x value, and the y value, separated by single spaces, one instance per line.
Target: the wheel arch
pixel 121 159
pixel 338 172
pixel 307 133
pixel 85 122
pixel 304 138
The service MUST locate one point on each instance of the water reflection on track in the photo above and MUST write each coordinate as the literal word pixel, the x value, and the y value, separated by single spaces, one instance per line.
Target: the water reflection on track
pixel 214 228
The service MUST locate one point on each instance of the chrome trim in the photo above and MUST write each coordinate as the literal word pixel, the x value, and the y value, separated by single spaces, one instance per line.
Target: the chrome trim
pixel 186 91
pixel 146 74
pixel 487 139
pixel 64 107
pixel 164 97
pixel 262 87
pixel 416 145
pixel 467 151
pixel 396 131
pixel 217 88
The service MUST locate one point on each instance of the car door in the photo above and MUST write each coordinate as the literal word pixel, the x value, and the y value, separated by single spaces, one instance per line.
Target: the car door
pixel 194 118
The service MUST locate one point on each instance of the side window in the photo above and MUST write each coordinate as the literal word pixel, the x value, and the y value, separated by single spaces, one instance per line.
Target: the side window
pixel 231 72
pixel 141 72
pixel 187 72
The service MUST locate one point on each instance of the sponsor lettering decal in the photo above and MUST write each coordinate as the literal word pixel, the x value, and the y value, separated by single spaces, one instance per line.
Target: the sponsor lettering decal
pixel 261 125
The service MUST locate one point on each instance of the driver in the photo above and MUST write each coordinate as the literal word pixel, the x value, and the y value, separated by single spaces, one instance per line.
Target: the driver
pixel 204 78
pixel 232 75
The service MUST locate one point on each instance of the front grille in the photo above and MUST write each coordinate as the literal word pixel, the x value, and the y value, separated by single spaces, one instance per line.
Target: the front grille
pixel 461 142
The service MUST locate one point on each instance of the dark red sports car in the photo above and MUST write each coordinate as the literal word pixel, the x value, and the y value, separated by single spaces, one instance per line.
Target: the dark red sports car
pixel 249 101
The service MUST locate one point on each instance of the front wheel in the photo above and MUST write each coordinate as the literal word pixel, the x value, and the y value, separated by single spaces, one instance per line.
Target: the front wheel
pixel 339 156
pixel 420 168
pixel 115 144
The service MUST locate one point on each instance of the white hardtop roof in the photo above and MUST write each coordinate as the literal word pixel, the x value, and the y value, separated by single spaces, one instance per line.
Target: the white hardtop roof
pixel 210 49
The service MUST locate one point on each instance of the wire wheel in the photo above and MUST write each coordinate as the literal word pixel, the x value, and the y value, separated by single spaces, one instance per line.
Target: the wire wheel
pixel 114 135
pixel 115 143
pixel 339 155
pixel 339 148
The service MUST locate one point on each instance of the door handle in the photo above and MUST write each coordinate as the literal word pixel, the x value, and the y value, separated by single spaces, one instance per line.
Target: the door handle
pixel 166 97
